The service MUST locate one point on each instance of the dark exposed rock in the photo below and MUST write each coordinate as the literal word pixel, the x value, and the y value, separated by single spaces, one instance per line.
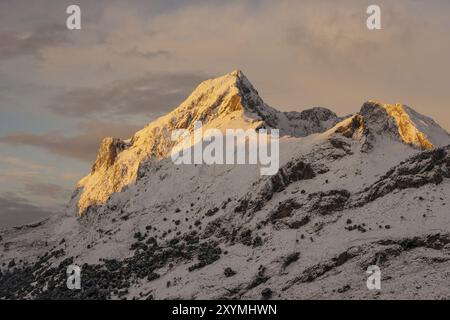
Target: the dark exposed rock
pixel 228 272
pixel 293 171
pixel 260 278
pixel 425 168
pixel 313 272
pixel 359 227
pixel 257 241
pixel 349 130
pixel 267 293
pixel 291 259
pixel 108 152
pixel 211 212
pixel 138 245
pixel 296 224
pixel 11 264
pixel 153 276
pixel 212 228
pixel 242 206
pixel 435 241
pixel 284 210
pixel 344 289
pixel 311 121
pixel 246 237
pixel 208 254
pixel 191 238
pixel 328 202
pixel 381 256
pixel 139 236
pixel 340 144
pixel 377 122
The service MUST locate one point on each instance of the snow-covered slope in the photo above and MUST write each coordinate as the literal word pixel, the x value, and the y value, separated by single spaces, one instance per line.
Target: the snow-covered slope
pixel 368 189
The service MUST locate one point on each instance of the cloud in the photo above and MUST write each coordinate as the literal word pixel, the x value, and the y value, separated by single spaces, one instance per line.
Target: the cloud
pixel 18 175
pixel 71 176
pixel 19 162
pixel 44 189
pixel 41 184
pixel 338 36
pixel 135 53
pixel 15 211
pixel 13 44
pixel 146 95
pixel 83 146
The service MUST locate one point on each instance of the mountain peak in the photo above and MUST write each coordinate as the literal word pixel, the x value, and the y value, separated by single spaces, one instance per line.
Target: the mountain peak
pixel 236 73
pixel 238 76
pixel 226 102
pixel 218 97
pixel 377 120
pixel 233 79
pixel 229 101
pixel 401 121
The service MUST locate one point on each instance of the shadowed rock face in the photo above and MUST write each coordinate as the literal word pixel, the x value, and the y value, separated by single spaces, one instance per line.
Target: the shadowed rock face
pixel 377 119
pixel 348 130
pixel 328 202
pixel 314 120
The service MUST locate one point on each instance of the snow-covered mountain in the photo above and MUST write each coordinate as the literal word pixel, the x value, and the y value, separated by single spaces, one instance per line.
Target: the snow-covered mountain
pixel 223 103
pixel 371 188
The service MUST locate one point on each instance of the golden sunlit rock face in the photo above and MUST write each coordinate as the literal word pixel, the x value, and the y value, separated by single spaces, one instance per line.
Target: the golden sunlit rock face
pixel 214 101
pixel 406 128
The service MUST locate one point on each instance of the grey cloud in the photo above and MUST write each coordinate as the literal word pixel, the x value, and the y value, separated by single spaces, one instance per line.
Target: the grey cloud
pixel 135 53
pixel 340 49
pixel 13 44
pixel 147 95
pixel 42 189
pixel 339 36
pixel 83 146
pixel 15 211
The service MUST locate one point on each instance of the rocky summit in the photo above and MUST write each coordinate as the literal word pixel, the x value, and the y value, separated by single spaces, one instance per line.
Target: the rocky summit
pixel 351 192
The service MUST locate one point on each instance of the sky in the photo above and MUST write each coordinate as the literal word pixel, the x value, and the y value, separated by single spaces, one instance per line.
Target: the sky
pixel 62 91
